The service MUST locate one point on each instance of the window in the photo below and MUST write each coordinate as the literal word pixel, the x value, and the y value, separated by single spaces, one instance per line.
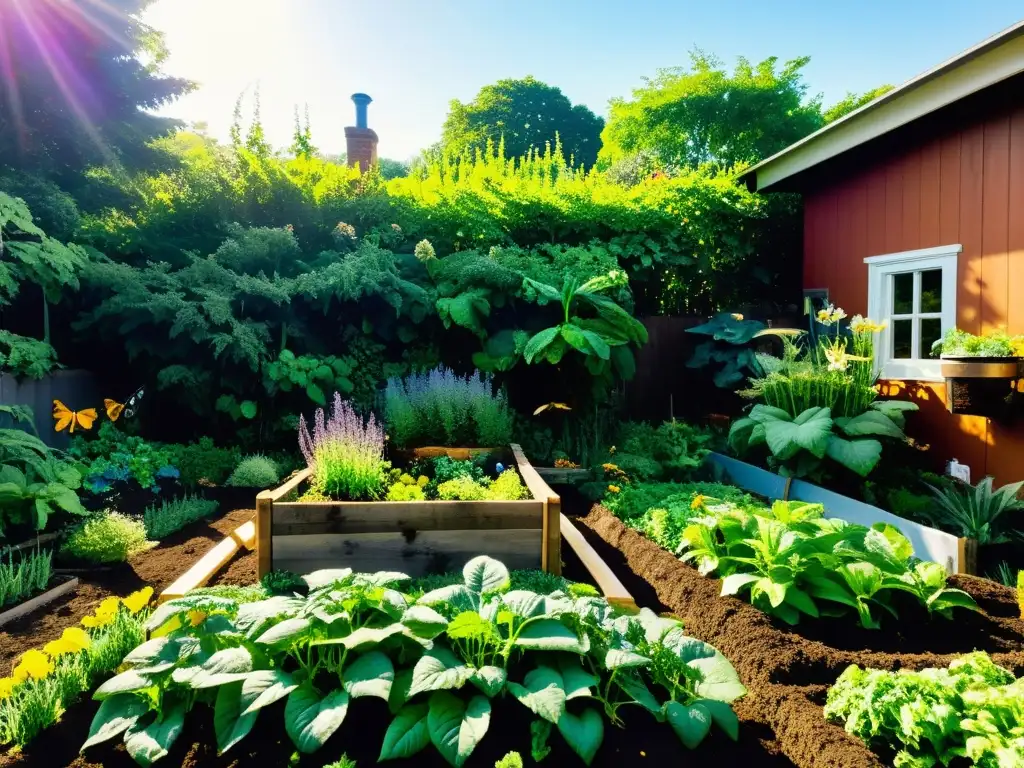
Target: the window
pixel 915 293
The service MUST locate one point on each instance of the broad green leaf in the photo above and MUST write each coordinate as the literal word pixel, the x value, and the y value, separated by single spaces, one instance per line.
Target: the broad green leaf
pixel 424 621
pixel 824 588
pixel 576 681
pixel 254 616
pixel 761 414
pixel 859 456
pixel 380 578
pixel 573 334
pixel 227 666
pixel 364 636
pixel 248 409
pixel 284 633
pixel 952 598
pixel 871 423
pixel 490 680
pixel 641 694
pixel 542 693
pixel 372 674
pixel 322 578
pixel 888 542
pixel 616 658
pixel 115 716
pixel 483 574
pixel 126 682
pixel 408 733
pixel 719 680
pixel 263 688
pixel 536 345
pixel 400 690
pixel 739 434
pixel 598 344
pixel 455 727
pixel 810 431
pixel 800 600
pixel 309 720
pixel 691 723
pixel 732 584
pixel 523 603
pixel 549 635
pixel 723 717
pixel 688 648
pixel 656 627
pixel 583 733
pixel 470 625
pixel 894 410
pixel 148 744
pixel 230 723
pixel 458 597
pixel 159 654
pixel 439 669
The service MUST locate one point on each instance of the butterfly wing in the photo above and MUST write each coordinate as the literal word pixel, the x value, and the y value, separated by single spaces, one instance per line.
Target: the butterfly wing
pixel 63 416
pixel 131 405
pixel 86 418
pixel 114 408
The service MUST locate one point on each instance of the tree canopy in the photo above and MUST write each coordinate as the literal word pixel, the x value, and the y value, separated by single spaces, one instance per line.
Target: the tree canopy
pixel 524 113
pixel 76 77
pixel 706 114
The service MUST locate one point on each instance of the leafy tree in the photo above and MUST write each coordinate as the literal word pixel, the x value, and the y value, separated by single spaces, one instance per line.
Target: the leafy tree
pixel 705 114
pixel 524 114
pixel 78 77
pixel 853 101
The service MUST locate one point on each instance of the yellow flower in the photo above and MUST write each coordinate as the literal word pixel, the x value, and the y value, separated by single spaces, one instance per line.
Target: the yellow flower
pixel 737 316
pixel 610 467
pixel 824 316
pixel 73 640
pixel 697 503
pixel 136 601
pixel 105 613
pixel 196 618
pixel 33 664
pixel 6 687
pixel 614 488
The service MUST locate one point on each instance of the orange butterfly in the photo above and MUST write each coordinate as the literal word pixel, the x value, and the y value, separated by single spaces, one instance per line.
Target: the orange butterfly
pixel 65 417
pixel 551 406
pixel 128 408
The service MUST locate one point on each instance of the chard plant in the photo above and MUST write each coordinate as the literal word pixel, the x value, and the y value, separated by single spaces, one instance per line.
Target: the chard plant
pixel 439 661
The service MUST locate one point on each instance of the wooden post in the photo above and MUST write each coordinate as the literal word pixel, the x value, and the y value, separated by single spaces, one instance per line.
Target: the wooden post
pixel 264 519
pixel 551 538
pixel 967 556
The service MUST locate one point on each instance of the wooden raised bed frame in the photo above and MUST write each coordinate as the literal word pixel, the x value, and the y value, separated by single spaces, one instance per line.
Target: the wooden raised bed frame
pixel 416 537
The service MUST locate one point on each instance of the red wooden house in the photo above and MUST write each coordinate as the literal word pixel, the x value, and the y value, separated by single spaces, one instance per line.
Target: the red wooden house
pixel 914 214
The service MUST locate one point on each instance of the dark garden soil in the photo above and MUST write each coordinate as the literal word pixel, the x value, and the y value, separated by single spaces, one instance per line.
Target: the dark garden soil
pixel 788 669
pixel 157 568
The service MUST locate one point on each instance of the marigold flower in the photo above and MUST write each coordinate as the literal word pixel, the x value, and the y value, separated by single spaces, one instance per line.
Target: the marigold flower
pixel 6 687
pixel 34 664
pixel 614 488
pixel 74 640
pixel 196 618
pixel 609 467
pixel 697 503
pixel 138 600
pixel 105 613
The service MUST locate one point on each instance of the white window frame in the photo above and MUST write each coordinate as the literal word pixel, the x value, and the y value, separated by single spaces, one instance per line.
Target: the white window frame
pixel 880 286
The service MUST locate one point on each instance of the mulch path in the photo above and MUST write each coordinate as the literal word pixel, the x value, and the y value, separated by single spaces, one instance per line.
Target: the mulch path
pixel 788 670
pixel 157 567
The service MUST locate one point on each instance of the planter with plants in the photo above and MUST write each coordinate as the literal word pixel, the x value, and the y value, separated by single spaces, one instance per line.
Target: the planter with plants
pixel 981 372
pixel 353 506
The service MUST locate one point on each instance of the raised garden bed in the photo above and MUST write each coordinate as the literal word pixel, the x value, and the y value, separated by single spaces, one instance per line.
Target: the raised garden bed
pixel 415 537
pixel 788 670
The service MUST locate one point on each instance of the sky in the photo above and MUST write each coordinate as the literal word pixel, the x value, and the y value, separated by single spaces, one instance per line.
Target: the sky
pixel 414 56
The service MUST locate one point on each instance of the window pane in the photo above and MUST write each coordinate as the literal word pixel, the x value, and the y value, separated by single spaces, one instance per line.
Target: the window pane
pixel 903 293
pixel 902 339
pixel 931 291
pixel 931 331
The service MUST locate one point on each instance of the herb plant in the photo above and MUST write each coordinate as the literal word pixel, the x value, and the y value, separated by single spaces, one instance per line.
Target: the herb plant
pixel 345 453
pixel 171 516
pixel 107 537
pixel 437 661
pixel 974 710
pixel 25 577
pixel 203 461
pixel 443 408
pixel 255 471
pixel 977 512
pixel 995 343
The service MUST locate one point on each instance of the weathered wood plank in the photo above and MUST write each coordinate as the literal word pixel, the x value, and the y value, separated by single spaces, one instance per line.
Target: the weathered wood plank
pixel 551 555
pixel 27 607
pixel 458 454
pixel 204 569
pixel 426 552
pixel 397 516
pixel 42 538
pixel 264 524
pixel 282 491
pixel 609 584
pixel 563 476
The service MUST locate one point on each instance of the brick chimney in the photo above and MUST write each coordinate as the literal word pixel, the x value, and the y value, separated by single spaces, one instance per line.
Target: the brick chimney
pixel 361 140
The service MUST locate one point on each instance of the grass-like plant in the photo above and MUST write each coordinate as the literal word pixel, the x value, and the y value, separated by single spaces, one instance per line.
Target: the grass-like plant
pixel 108 537
pixel 345 453
pixel 25 576
pixel 976 512
pixel 161 520
pixel 257 471
pixel 443 408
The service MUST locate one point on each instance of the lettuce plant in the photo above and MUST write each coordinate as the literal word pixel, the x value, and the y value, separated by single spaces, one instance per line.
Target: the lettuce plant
pixel 794 562
pixel 438 661
pixel 345 453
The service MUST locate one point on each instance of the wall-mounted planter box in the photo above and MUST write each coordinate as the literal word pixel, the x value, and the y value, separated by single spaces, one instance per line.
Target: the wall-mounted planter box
pixel 929 543
pixel 981 386
pixel 416 538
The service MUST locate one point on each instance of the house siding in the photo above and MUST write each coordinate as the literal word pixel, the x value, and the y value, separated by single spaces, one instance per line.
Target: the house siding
pixel 962 184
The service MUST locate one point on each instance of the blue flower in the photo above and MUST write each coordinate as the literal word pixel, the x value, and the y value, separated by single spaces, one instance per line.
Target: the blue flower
pixel 168 471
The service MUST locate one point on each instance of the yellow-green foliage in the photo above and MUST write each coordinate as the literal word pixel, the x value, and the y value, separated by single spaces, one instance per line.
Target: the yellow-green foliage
pixel 108 537
pixel 405 492
pixel 508 487
pixel 462 488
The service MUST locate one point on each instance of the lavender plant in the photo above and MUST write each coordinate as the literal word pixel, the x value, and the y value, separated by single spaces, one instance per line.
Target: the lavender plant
pixel 443 408
pixel 345 453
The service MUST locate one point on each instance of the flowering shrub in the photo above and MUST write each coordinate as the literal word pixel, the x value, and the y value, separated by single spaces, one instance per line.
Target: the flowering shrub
pixel 345 453
pixel 442 408
pixel 108 537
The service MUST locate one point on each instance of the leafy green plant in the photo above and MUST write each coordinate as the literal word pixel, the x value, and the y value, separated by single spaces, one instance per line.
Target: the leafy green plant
pixel 437 661
pixel 442 408
pixel 444 468
pixel 203 461
pixel 171 516
pixel 977 512
pixel 35 482
pixel 108 537
pixel 279 582
pixel 729 347
pixel 511 760
pixel 934 716
pixel 798 446
pixel 114 457
pixel 26 577
pixel 315 375
pixel 995 343
pixel 255 471
pixel 342 762
pixel 794 562
pixel 507 487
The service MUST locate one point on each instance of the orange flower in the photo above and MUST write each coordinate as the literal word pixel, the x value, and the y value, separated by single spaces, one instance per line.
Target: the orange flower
pixel 614 488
